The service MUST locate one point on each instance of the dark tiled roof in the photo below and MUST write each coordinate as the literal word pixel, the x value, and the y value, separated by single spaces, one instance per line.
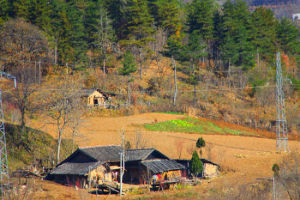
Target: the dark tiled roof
pixel 159 166
pixel 103 153
pixel 112 153
pixel 138 154
pixel 75 168
pixel 183 161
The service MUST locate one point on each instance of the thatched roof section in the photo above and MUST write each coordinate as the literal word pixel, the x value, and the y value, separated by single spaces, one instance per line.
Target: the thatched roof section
pixel 143 154
pixel 88 92
pixel 75 168
pixel 103 153
pixel 159 166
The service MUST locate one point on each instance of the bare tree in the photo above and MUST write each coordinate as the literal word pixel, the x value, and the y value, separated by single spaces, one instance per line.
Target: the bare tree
pixel 140 141
pixel 62 104
pixel 21 46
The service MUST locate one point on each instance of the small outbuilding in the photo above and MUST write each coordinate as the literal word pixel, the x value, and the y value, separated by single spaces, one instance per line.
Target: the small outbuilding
pixel 97 97
pixel 210 169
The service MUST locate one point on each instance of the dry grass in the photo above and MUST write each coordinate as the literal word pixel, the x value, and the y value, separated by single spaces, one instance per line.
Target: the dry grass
pixel 243 159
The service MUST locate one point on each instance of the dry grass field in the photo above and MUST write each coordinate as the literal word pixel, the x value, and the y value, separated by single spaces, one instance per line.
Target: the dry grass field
pixel 242 158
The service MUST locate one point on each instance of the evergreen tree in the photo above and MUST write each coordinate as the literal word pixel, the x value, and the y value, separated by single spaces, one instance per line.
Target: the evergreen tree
pixel 288 36
pixel 5 9
pixel 104 37
pixel 117 13
pixel 200 18
pixel 75 33
pixel 194 51
pixel 128 68
pixel 167 15
pixel 200 144
pixel 263 34
pixel 236 47
pixel 175 49
pixel 140 29
pixel 196 165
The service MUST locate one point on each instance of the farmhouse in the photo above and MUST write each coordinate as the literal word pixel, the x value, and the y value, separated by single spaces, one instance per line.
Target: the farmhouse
pixel 97 165
pixel 96 97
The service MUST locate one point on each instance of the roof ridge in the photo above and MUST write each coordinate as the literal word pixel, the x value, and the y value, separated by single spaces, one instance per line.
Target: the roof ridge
pixel 87 147
pixel 140 149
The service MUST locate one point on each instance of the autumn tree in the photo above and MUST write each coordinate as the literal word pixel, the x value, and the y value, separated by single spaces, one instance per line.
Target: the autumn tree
pixel 23 47
pixel 61 104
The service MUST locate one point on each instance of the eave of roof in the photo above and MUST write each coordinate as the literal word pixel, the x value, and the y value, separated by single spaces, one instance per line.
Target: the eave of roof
pixel 159 166
pixel 75 168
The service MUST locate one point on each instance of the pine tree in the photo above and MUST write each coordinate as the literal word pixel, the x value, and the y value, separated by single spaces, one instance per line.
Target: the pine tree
pixel 263 33
pixel 194 51
pixel 175 49
pixel 167 15
pixel 200 18
pixel 117 13
pixel 128 68
pixel 104 37
pixel 236 47
pixel 288 37
pixel 75 30
pixel 5 9
pixel 196 165
pixel 140 30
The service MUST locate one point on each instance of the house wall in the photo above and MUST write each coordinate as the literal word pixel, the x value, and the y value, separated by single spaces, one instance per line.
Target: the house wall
pixel 100 175
pixel 71 180
pixel 210 170
pixel 171 175
pixel 96 95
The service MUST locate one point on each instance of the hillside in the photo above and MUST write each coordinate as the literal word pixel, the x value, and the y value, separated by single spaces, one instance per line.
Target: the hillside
pixel 243 159
pixel 31 148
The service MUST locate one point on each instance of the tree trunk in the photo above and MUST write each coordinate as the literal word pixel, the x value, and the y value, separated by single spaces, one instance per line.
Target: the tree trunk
pixel 55 53
pixel 175 81
pixel 40 72
pixel 257 57
pixel 128 92
pixel 104 66
pixel 58 146
pixel 22 117
pixel 141 66
pixel 195 92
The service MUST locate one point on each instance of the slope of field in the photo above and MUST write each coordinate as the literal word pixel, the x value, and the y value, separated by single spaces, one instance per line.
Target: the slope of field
pixel 194 125
pixel 242 158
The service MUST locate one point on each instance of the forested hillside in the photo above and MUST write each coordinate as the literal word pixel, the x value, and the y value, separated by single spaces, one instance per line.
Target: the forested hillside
pixel 162 55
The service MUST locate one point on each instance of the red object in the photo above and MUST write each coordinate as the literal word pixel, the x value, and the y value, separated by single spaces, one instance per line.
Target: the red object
pixel 78 183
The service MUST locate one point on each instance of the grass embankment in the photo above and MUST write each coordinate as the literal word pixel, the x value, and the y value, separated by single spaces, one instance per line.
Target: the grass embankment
pixel 30 146
pixel 193 125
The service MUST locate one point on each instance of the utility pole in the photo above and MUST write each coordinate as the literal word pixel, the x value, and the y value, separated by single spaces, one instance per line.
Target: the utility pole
pixel 274 188
pixel 122 163
pixel 281 123
pixel 4 172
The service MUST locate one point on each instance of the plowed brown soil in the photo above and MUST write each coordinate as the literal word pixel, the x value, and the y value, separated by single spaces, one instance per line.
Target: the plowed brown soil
pixel 243 159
